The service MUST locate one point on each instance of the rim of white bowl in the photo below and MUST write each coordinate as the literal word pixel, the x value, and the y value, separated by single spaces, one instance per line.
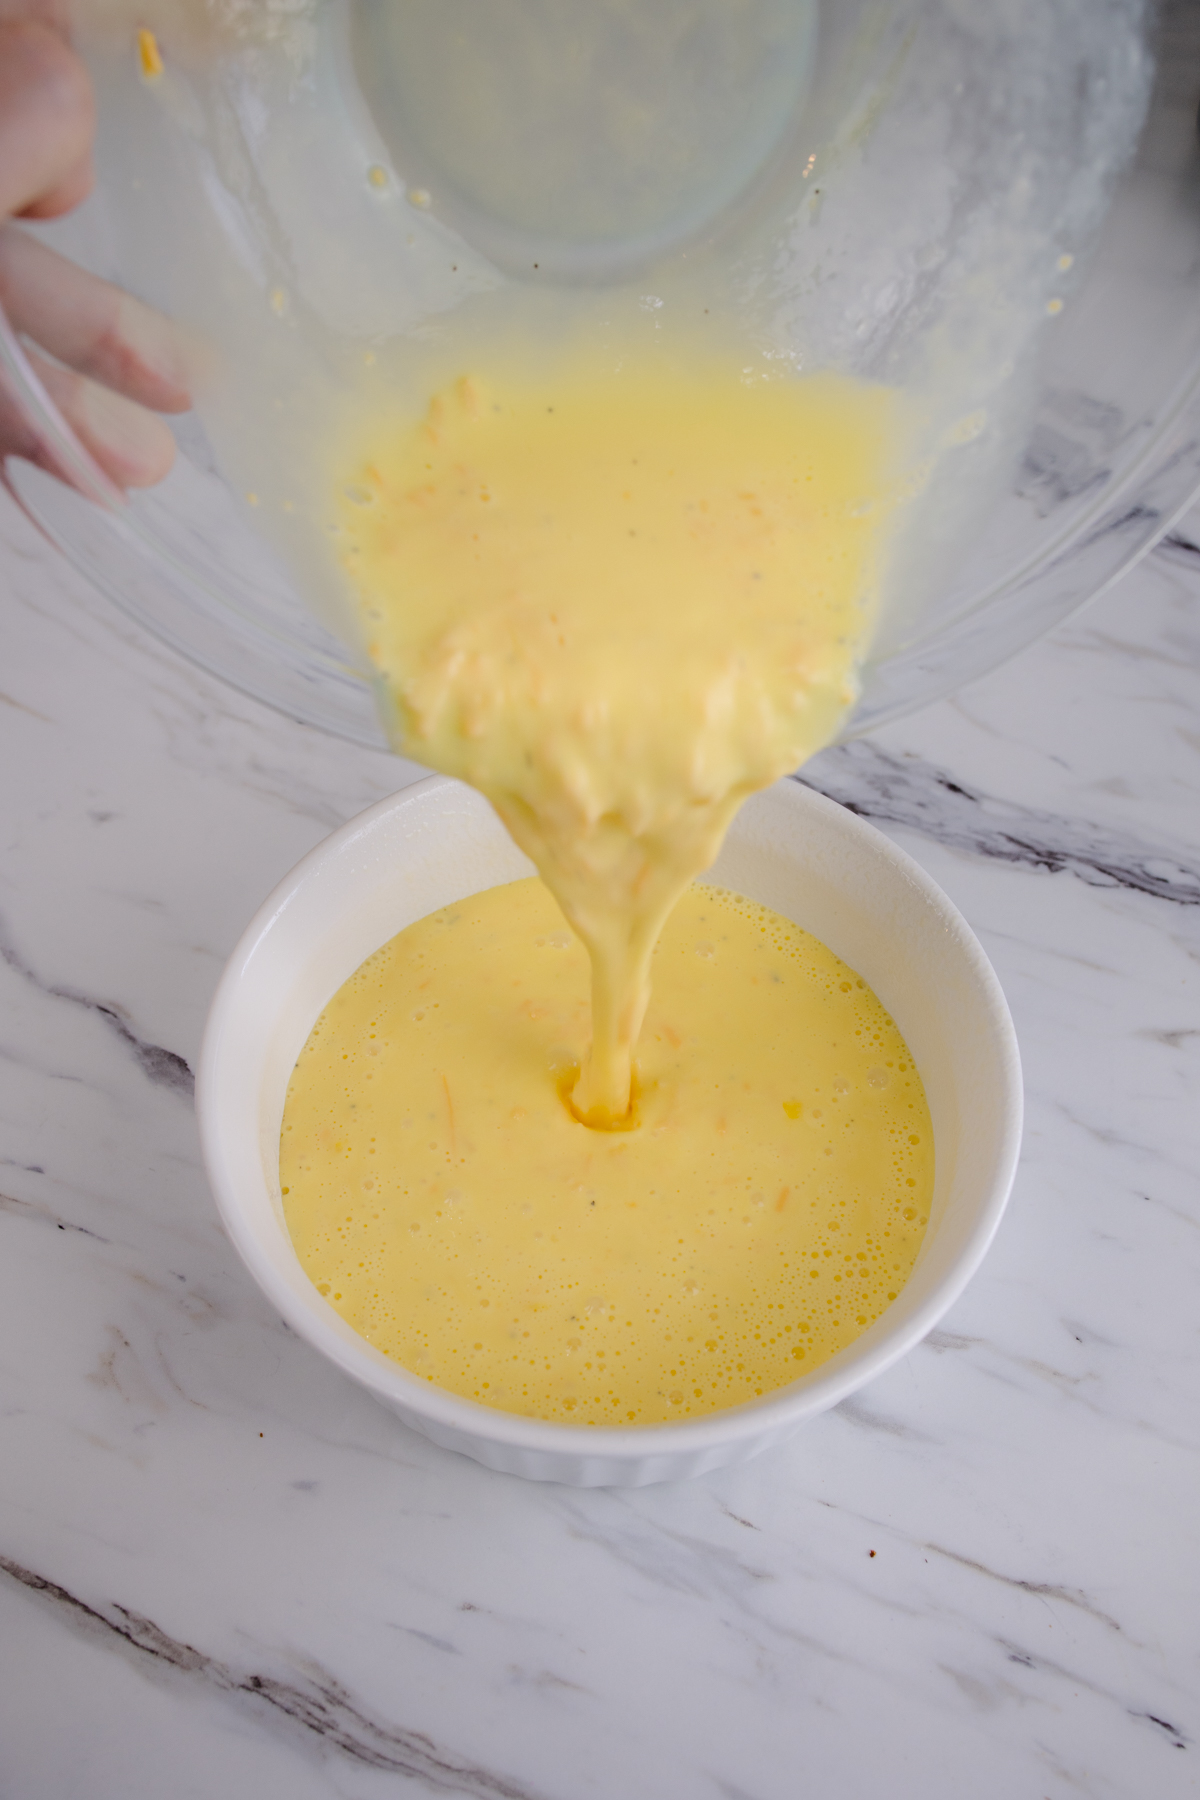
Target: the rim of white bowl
pixel 850 1369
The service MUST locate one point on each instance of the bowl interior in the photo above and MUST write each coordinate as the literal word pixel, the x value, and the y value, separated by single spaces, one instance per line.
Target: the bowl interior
pixel 221 186
pixel 790 849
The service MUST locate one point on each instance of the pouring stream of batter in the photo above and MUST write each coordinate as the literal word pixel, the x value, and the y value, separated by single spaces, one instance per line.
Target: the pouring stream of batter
pixel 617 602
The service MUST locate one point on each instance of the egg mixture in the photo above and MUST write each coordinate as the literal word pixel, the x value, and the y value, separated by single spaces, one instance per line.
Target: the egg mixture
pixel 763 1207
pixel 617 601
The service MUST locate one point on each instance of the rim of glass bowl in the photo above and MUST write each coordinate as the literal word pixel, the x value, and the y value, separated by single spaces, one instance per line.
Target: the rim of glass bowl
pixel 292 664
pixel 1094 550
pixel 247 627
pixel 302 671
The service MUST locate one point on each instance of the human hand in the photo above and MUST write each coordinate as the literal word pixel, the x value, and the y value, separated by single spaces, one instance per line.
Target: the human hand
pixel 109 358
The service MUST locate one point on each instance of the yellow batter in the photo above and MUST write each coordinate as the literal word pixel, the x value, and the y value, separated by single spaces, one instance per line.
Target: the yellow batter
pixel 618 601
pixel 765 1207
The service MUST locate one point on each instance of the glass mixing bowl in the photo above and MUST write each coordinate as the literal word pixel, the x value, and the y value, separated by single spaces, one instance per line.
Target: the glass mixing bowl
pixel 995 208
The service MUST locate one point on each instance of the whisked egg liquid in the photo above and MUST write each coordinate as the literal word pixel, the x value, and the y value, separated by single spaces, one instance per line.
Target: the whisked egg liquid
pixel 764 1205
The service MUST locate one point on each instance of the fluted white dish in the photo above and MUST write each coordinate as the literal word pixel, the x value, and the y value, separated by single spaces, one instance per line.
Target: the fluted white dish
pixel 789 848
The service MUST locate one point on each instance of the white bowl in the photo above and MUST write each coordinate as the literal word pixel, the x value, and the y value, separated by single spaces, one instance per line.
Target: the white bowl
pixel 789 848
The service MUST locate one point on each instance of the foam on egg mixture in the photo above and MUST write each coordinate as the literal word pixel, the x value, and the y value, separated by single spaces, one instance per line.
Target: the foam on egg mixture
pixel 764 1206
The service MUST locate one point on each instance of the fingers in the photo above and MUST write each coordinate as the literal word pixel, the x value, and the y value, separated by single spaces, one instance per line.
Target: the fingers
pixel 47 116
pixel 91 325
pixel 133 447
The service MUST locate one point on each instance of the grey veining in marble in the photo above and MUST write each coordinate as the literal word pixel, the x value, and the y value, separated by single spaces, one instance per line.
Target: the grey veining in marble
pixel 225 1571
pixel 314 1703
pixel 902 789
pixel 158 1065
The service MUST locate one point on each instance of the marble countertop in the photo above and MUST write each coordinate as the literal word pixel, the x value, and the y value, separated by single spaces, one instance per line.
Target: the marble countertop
pixel 226 1571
